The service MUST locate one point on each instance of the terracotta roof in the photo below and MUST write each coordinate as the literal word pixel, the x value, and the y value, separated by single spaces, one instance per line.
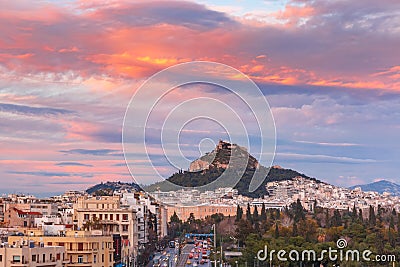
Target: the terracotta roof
pixel 27 212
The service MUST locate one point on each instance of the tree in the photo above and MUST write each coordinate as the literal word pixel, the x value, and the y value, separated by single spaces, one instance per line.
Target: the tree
pixel 255 214
pixel 315 206
pixel 392 239
pixel 263 215
pixel 191 218
pixel 239 213
pixel 278 214
pixel 308 230
pixel 379 213
pixel 394 212
pixel 360 216
pixel 354 213
pixel 174 218
pixel 336 219
pixel 299 212
pixel 327 220
pixel 243 230
pixel 248 214
pixel 276 230
pixel 295 230
pixel 372 217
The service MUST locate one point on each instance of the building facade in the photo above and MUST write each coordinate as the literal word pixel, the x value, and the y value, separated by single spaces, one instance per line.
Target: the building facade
pixel 20 255
pixel 82 248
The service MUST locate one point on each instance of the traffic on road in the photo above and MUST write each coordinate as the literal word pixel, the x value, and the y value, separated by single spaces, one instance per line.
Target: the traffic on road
pixel 193 253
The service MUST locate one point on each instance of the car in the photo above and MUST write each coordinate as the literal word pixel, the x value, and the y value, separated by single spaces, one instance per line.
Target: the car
pixel 195 264
pixel 190 255
pixel 202 261
pixel 196 257
pixel 188 262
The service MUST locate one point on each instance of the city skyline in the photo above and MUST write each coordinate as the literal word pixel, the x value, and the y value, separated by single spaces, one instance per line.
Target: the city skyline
pixel 68 69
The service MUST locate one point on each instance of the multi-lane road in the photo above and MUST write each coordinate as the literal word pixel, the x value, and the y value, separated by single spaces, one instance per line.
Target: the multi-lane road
pixel 169 258
pixel 185 256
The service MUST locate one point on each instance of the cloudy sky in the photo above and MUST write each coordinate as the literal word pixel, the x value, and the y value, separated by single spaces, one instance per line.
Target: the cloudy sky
pixel 330 71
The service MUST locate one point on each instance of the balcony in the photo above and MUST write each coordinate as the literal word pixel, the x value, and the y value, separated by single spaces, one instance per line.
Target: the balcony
pixel 26 263
pixel 82 250
pixel 70 264
pixel 19 263
pixel 108 222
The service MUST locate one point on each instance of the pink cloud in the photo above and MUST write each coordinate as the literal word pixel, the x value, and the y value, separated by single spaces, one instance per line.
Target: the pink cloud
pixel 112 40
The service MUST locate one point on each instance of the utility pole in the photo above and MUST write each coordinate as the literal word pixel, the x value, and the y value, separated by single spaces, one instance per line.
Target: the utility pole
pixel 215 246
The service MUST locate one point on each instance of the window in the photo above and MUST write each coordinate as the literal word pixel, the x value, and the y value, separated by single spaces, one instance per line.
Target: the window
pixel 125 217
pixel 105 216
pixel 101 216
pixel 117 217
pixel 111 217
pixel 16 258
pixel 110 257
pixel 33 258
pixel 94 258
pixel 124 228
pixel 102 257
pixel 58 257
pixel 44 257
pixel 86 217
pixel 1 258
pixel 80 259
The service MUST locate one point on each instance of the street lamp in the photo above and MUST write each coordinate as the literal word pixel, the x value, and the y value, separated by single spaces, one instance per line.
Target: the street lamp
pixel 236 263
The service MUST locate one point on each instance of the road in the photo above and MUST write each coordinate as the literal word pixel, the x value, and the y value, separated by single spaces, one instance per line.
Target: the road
pixel 184 255
pixel 167 258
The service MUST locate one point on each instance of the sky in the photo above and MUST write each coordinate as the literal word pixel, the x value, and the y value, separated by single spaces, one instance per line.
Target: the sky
pixel 330 71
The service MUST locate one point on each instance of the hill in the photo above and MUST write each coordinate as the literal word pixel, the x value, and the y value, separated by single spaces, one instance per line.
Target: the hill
pixel 380 187
pixel 210 166
pixel 108 188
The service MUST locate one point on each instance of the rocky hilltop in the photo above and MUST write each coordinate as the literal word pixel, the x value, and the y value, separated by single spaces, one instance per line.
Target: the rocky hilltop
pixel 220 157
pixel 209 167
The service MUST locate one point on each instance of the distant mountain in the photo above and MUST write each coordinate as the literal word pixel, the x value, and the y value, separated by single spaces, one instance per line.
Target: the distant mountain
pixel 380 187
pixel 209 167
pixel 108 188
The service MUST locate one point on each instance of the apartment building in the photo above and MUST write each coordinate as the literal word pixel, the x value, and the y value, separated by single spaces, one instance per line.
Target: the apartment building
pixel 16 217
pixel 2 210
pixel 147 211
pixel 106 214
pixel 20 255
pixel 82 248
